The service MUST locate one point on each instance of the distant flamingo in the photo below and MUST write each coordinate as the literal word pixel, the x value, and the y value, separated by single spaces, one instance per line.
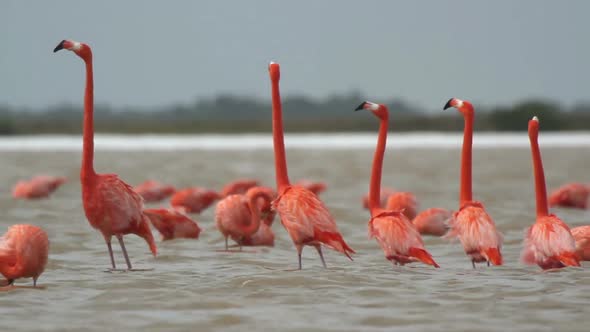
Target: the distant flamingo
pixel 23 253
pixel 314 187
pixel 239 186
pixel 403 201
pixel 384 194
pixel 40 186
pixel 154 191
pixel 238 216
pixel 394 232
pixel 173 224
pixel 549 242
pixel 572 195
pixel 582 236
pixel 472 224
pixel 194 200
pixel 304 216
pixel 111 205
pixel 433 221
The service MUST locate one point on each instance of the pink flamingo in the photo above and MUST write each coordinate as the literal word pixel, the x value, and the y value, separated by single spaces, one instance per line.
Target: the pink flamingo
pixel 403 201
pixel 572 195
pixel 237 187
pixel 23 253
pixel 398 237
pixel 314 187
pixel 472 224
pixel 111 205
pixel 194 200
pixel 549 242
pixel 173 224
pixel 154 191
pixel 264 236
pixel 582 236
pixel 40 186
pixel 433 221
pixel 304 216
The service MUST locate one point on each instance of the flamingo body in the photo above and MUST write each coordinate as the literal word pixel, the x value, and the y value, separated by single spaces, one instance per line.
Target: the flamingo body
pixel 581 235
pixel 572 195
pixel 403 201
pixel 433 221
pixel 153 191
pixel 24 250
pixel 40 186
pixel 314 187
pixel 194 200
pixel 238 187
pixel 173 224
pixel 549 244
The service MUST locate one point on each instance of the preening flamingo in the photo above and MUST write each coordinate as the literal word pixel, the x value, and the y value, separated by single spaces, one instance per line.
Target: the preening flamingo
pixel 471 224
pixel 239 216
pixel 316 187
pixel 400 240
pixel 433 221
pixel 264 236
pixel 582 236
pixel 173 224
pixel 548 242
pixel 40 186
pixel 154 191
pixel 237 187
pixel 304 216
pixel 111 205
pixel 23 253
pixel 571 195
pixel 194 200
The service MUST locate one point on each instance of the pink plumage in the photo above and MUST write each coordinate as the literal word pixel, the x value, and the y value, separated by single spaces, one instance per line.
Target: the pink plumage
pixel 40 186
pixel 24 250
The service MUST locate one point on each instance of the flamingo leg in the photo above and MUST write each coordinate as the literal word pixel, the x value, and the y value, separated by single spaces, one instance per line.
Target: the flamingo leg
pixel 34 281
pixel 111 253
pixel 299 249
pixel 226 247
pixel 488 263
pixel 473 263
pixel 120 238
pixel 319 249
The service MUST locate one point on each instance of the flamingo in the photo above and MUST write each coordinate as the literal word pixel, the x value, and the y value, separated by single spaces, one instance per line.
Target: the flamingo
pixel 194 199
pixel 403 201
pixel 582 236
pixel 264 236
pixel 315 187
pixel 23 253
pixel 111 205
pixel 302 213
pixel 548 242
pixel 173 224
pixel 154 191
pixel 39 186
pixel 238 216
pixel 572 195
pixel 471 224
pixel 433 221
pixel 398 237
pixel 239 186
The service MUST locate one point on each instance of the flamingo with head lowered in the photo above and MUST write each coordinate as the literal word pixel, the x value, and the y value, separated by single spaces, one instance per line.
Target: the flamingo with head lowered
pixel 302 213
pixel 39 186
pixel 472 225
pixel 549 242
pixel 111 205
pixel 398 237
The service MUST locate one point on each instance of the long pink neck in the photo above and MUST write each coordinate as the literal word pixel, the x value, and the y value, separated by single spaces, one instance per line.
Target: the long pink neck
pixel 375 185
pixel 254 210
pixel 87 171
pixel 277 136
pixel 466 193
pixel 540 189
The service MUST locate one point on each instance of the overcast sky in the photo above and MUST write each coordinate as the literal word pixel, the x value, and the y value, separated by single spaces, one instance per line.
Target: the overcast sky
pixel 151 53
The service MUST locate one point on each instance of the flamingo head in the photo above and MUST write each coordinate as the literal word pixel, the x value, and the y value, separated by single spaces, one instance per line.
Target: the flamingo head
pixel 82 50
pixel 275 71
pixel 534 128
pixel 462 106
pixel 379 110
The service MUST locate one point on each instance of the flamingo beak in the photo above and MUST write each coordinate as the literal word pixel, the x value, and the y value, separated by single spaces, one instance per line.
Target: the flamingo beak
pixel 361 106
pixel 448 104
pixel 60 46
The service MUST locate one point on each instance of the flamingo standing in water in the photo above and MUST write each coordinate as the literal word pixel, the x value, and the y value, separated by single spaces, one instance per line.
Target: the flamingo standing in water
pixel 304 216
pixel 173 224
pixel 154 191
pixel 313 186
pixel 549 242
pixel 111 205
pixel 23 253
pixel 194 200
pixel 238 187
pixel 472 224
pixel 582 236
pixel 40 186
pixel 571 195
pixel 433 221
pixel 238 216
pixel 398 237
pixel 264 236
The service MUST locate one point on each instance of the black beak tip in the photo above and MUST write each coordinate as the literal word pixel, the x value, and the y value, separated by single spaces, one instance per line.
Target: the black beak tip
pixel 59 46
pixel 361 106
pixel 448 104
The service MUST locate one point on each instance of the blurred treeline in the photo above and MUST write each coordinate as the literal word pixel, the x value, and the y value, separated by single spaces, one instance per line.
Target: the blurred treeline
pixel 232 114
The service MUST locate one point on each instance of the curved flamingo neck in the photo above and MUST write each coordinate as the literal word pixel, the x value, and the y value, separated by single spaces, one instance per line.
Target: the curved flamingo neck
pixel 277 135
pixel 375 185
pixel 87 170
pixel 254 211
pixel 466 192
pixel 540 189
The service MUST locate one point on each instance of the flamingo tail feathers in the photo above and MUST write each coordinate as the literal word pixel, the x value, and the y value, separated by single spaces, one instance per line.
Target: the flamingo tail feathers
pixel 494 256
pixel 423 256
pixel 569 259
pixel 336 242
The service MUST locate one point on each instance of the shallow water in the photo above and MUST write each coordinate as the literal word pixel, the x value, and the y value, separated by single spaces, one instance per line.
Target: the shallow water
pixel 194 287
